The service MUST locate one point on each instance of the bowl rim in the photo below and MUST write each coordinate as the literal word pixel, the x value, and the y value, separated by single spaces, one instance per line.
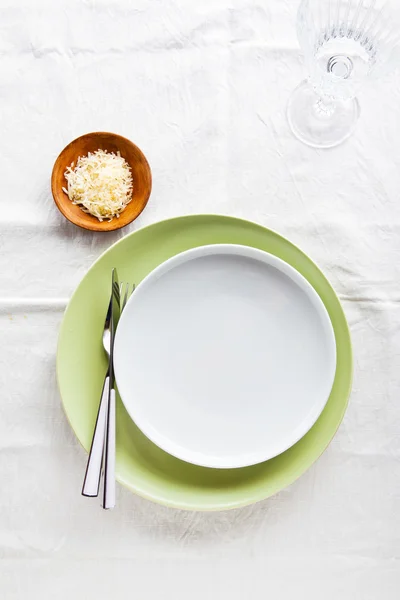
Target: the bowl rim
pixel 101 226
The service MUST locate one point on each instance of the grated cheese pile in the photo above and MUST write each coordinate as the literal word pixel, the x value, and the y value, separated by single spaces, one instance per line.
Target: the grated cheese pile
pixel 101 184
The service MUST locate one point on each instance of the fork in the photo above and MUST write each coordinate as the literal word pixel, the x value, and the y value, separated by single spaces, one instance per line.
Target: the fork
pixel 91 483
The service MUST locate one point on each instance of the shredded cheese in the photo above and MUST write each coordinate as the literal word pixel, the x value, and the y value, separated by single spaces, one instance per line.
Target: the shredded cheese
pixel 100 183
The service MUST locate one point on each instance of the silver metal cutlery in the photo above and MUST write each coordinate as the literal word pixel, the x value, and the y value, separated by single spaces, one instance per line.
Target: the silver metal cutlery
pixel 102 451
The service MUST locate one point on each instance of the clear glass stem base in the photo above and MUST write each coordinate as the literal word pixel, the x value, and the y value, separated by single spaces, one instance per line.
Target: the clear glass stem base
pixel 320 122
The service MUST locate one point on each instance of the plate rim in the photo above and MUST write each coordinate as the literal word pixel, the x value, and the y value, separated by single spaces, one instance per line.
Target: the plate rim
pixel 211 506
pixel 285 269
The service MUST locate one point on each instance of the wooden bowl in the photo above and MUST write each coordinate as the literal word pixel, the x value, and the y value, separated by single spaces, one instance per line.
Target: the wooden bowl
pixel 112 142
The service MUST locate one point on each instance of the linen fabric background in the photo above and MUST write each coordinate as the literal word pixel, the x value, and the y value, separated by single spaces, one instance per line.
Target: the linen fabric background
pixel 202 88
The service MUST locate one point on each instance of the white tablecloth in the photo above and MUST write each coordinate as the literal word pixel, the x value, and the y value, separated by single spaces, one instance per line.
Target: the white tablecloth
pixel 201 87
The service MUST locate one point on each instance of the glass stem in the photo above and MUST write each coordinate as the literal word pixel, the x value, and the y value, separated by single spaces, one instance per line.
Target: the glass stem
pixel 325 106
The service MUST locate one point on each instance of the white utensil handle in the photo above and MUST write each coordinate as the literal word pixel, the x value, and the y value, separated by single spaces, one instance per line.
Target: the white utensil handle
pixel 109 455
pixel 91 483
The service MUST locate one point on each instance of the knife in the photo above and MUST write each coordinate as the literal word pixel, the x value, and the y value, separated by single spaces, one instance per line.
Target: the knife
pixel 109 440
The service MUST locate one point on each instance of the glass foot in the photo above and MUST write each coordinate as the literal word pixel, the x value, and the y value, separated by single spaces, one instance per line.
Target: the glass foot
pixel 318 122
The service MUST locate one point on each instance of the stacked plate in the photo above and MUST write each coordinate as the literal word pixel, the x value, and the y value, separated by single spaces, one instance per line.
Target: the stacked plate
pixel 232 358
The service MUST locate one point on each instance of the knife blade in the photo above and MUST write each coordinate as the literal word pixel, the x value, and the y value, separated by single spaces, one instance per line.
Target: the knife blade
pixel 109 441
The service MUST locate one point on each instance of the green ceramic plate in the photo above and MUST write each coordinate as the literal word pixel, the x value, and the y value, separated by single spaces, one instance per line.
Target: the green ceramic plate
pixel 81 365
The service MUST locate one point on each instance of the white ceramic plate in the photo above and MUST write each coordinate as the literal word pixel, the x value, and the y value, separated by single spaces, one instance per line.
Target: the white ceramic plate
pixel 225 356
